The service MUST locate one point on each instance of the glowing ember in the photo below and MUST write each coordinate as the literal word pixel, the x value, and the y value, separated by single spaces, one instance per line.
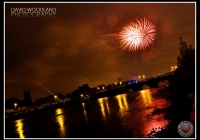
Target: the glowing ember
pixel 137 35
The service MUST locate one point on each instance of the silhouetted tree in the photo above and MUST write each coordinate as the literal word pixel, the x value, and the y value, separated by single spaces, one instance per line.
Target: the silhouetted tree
pixel 183 82
pixel 186 66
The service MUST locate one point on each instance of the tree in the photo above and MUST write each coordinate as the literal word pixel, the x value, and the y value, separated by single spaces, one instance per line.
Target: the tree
pixel 186 66
pixel 183 82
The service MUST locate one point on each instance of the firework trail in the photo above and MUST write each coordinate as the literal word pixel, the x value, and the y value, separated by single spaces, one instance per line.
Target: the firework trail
pixel 137 35
pixel 110 79
pixel 91 82
pixel 50 93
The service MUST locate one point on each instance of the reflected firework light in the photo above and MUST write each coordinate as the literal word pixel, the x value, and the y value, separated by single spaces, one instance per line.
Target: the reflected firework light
pixel 146 56
pixel 153 18
pixel 112 21
pixel 137 36
pixel 97 18
pixel 154 52
pixel 167 29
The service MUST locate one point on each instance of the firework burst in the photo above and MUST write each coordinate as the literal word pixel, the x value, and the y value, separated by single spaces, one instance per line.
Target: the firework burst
pixel 137 35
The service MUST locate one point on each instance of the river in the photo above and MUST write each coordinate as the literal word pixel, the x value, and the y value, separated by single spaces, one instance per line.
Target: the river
pixel 127 115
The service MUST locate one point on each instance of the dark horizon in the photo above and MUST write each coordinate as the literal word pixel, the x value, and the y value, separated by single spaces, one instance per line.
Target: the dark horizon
pixel 77 46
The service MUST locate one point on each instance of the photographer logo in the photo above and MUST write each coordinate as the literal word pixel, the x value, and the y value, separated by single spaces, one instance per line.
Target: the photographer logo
pixel 185 129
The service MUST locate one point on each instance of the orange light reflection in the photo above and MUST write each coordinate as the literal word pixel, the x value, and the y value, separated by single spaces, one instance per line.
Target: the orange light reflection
pixel 146 96
pixel 122 102
pixel 19 128
pixel 60 119
pixel 103 102
pixel 84 111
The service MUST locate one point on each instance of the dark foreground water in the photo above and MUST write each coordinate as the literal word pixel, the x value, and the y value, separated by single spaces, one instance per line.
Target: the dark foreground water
pixel 121 116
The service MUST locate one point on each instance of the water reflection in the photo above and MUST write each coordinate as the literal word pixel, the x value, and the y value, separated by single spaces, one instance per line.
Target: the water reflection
pixel 146 96
pixel 61 120
pixel 122 102
pixel 107 106
pixel 103 102
pixel 84 111
pixel 139 118
pixel 19 128
pixel 143 120
pixel 156 122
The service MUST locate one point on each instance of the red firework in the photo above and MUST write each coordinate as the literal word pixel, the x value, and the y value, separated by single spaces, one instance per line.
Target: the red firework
pixel 137 35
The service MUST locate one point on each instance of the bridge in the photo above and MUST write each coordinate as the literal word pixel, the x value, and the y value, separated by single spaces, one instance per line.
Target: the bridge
pixel 152 82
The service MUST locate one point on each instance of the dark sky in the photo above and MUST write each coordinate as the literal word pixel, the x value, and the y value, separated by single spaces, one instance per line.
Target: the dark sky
pixel 79 45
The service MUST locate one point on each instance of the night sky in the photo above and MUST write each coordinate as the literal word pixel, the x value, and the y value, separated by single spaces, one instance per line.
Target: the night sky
pixel 79 45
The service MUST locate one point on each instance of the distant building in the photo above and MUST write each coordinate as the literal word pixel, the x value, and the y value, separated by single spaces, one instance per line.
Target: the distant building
pixel 111 86
pixel 93 90
pixel 86 90
pixel 27 98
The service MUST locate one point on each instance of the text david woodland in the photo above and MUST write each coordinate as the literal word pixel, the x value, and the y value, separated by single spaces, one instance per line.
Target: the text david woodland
pixel 33 12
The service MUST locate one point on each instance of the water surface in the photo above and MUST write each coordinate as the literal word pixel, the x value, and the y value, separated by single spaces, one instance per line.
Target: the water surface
pixel 127 115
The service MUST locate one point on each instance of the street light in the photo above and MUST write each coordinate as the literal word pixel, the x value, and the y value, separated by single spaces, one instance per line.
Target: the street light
pixel 15 105
pixel 55 96
pixel 173 68
pixel 139 76
pixel 143 76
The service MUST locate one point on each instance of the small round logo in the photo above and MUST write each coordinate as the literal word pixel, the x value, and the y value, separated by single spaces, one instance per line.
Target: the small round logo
pixel 185 129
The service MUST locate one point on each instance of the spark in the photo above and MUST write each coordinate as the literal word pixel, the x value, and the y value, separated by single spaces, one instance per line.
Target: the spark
pixel 137 35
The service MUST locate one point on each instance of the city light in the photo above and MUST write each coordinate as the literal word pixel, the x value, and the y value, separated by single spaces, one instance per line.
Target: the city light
pixel 173 68
pixel 98 88
pixel 15 105
pixel 55 96
pixel 120 83
pixel 103 87
pixel 115 83
pixel 141 76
